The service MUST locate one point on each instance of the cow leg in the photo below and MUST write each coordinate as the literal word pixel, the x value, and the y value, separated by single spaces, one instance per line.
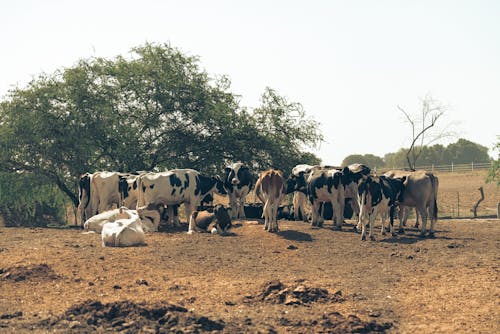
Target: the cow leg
pixel 416 218
pixel 423 215
pixel 233 206
pixel 241 207
pixel 402 215
pixel 315 209
pixel 383 216
pixel 338 213
pixel 372 215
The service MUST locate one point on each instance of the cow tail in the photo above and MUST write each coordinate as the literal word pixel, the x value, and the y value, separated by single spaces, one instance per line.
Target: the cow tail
pixel 435 184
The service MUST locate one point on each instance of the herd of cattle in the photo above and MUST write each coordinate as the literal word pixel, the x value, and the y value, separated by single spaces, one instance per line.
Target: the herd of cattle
pixel 143 200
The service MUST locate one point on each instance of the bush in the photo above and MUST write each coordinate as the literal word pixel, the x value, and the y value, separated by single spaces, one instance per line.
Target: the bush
pixel 28 200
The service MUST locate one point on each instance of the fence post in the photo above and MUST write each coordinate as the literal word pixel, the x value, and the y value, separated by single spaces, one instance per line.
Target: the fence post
pixel 432 168
pixel 472 163
pixel 452 166
pixel 458 204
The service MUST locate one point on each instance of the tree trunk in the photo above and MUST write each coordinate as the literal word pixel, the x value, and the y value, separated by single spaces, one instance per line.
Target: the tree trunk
pixel 474 208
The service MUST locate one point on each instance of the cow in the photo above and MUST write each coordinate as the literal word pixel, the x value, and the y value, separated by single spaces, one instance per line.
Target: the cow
pixel 328 185
pixel 297 183
pixel 98 192
pixel 356 172
pixel 378 196
pixel 270 189
pixel 238 181
pixel 174 187
pixel 129 190
pixel 218 219
pixel 124 232
pixel 84 210
pixel 421 189
pixel 149 216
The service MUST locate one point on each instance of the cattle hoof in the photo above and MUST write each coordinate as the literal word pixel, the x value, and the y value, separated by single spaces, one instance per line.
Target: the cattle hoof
pixel 401 231
pixel 363 238
pixel 431 235
pixel 394 234
pixel 372 238
pixel 355 229
pixel 421 235
pixel 383 233
pixel 189 232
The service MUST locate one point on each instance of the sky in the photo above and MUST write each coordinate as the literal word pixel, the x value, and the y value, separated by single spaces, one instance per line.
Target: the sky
pixel 349 63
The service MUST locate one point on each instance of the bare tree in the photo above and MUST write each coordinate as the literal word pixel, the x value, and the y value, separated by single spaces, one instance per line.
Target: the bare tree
pixel 432 111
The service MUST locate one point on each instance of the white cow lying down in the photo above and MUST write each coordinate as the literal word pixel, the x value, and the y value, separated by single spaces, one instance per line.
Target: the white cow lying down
pixel 149 217
pixel 123 232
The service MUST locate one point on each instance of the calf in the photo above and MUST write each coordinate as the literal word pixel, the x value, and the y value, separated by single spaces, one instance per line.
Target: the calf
pixel 270 189
pixel 149 216
pixel 123 232
pixel 238 181
pixel 218 219
pixel 377 196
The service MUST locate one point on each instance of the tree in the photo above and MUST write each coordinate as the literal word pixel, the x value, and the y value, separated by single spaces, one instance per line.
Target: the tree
pixel 494 172
pixel 431 111
pixel 155 110
pixel 370 160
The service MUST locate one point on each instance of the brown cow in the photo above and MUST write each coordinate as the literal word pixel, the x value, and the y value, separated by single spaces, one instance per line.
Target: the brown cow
pixel 270 189
pixel 420 192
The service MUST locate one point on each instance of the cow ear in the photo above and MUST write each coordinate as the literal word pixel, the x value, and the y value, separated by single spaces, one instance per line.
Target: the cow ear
pixel 346 170
pixel 217 178
pixel 403 179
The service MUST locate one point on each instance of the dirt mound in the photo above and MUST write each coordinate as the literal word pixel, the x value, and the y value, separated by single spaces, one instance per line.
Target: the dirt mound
pixel 277 293
pixel 35 272
pixel 130 317
pixel 335 322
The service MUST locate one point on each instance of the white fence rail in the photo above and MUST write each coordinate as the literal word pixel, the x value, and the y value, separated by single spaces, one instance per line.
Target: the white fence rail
pixel 447 168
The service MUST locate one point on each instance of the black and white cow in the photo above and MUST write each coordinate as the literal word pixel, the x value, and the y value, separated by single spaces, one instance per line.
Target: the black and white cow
pixel 328 185
pixel 238 181
pixel 129 191
pixel 216 220
pixel 174 187
pixel 98 192
pixel 378 195
pixel 356 172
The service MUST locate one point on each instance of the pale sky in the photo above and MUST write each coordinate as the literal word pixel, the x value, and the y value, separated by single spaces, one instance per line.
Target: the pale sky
pixel 349 63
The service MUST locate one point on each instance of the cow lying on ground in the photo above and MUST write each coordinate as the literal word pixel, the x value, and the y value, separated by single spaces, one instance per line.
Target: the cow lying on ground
pixel 421 189
pixel 149 216
pixel 270 189
pixel 123 232
pixel 378 196
pixel 215 221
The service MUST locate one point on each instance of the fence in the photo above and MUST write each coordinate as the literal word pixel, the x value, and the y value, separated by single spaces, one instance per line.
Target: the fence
pixel 446 168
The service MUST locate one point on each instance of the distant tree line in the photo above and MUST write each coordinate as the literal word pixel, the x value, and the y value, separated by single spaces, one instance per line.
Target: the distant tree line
pixel 461 152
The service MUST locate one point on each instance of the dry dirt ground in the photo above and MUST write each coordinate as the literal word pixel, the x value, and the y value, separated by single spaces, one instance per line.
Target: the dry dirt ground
pixel 300 280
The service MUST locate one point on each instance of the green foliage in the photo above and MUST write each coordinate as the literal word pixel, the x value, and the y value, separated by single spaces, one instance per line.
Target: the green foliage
pixel 494 172
pixel 370 160
pixel 26 200
pixel 155 110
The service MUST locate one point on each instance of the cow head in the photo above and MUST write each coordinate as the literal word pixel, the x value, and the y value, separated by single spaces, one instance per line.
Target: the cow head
pixel 150 217
pixel 237 175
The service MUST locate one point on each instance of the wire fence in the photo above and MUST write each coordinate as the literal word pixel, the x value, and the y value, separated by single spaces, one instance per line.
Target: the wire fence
pixel 451 168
